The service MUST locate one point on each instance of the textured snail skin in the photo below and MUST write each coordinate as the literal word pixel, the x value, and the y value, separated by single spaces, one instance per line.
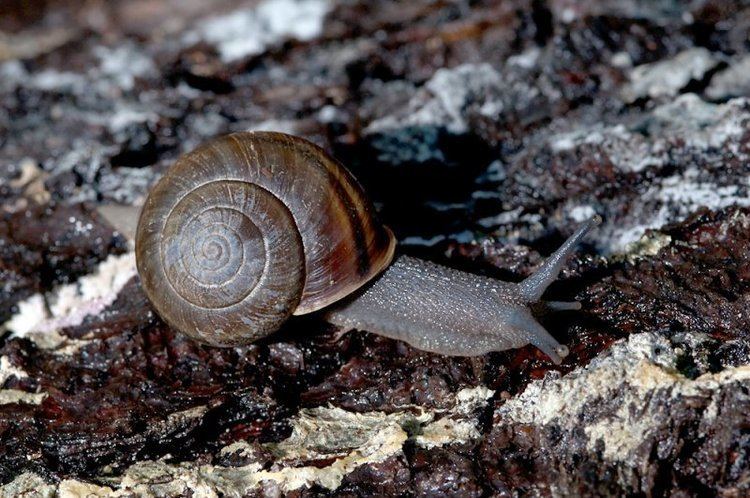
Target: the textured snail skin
pixel 253 227
pixel 451 312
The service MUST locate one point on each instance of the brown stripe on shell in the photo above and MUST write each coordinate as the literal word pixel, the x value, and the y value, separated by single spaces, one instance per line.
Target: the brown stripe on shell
pixel 366 247
pixel 344 244
pixel 347 209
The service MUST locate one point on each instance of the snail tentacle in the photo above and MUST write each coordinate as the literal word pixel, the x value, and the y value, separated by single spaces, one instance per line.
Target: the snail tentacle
pixel 534 286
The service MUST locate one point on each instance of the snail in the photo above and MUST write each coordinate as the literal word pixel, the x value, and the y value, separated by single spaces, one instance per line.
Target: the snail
pixel 253 227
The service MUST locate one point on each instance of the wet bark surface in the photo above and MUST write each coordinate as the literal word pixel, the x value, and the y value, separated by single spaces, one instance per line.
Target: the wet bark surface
pixel 485 132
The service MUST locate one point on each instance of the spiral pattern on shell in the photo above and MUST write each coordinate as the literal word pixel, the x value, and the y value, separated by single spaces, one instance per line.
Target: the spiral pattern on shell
pixel 251 228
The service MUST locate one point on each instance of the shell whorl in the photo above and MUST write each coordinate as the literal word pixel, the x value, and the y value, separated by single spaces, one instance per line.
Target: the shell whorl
pixel 250 228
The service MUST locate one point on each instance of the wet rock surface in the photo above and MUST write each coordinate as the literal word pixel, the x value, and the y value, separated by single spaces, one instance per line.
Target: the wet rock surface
pixel 485 131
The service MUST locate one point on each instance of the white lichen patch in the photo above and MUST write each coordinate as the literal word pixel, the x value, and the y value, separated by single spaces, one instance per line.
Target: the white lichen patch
pixel 339 441
pixel 31 174
pixel 619 399
pixel 117 70
pixel 571 140
pixel 124 116
pixel 40 318
pixel 444 98
pixel 502 218
pixel 127 186
pixel 12 396
pixel 30 312
pixel 471 399
pixel 238 448
pixel 667 77
pixel 699 125
pixel 628 151
pixel 59 81
pixel 673 134
pixel 124 64
pixel 28 484
pixel 672 199
pixel 85 157
pixel 322 432
pixel 8 370
pixel 685 192
pixel 687 123
pixel 447 430
pixel 582 213
pixel 733 81
pixel 247 32
pixel 70 488
pixel 648 245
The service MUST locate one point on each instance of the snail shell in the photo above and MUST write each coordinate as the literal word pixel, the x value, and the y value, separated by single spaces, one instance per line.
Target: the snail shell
pixel 250 228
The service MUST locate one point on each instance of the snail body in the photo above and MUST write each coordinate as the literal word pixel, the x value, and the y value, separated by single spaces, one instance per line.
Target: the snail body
pixel 253 227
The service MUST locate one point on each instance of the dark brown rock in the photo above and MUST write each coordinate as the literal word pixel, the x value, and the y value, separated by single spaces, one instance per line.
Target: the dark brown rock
pixel 485 131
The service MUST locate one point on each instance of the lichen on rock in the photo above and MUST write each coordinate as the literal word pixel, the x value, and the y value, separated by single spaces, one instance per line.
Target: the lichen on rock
pixel 331 441
pixel 624 405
